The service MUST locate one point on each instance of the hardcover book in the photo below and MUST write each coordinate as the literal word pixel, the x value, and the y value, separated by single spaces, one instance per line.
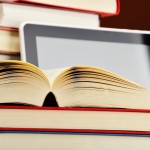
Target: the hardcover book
pixel 65 119
pixel 101 7
pixel 13 14
pixel 33 140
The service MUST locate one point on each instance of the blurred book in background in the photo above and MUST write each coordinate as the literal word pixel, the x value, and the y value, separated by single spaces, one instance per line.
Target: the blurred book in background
pixel 13 14
pixel 101 7
pixel 9 44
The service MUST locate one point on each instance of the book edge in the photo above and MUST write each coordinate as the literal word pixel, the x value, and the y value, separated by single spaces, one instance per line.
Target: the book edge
pixel 75 131
pixel 103 14
pixel 75 109
pixel 9 29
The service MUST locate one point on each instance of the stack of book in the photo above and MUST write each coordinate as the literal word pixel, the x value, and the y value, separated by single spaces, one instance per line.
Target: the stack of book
pixel 77 13
pixel 94 109
pixel 73 119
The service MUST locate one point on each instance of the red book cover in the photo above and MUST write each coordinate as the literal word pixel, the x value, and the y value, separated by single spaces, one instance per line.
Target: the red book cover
pixel 8 29
pixel 103 14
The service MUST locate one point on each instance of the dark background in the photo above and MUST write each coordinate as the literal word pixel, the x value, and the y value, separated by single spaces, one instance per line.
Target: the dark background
pixel 134 14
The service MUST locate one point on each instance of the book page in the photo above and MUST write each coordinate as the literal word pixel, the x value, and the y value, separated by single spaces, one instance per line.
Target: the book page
pixel 53 74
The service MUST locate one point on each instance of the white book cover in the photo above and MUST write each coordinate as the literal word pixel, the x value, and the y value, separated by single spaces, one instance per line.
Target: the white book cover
pixel 12 15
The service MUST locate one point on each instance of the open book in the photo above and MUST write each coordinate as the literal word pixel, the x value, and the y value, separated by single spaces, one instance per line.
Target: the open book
pixel 78 86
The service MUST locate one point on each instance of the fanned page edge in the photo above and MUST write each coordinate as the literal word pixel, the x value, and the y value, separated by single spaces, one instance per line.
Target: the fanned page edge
pixel 63 70
pixel 33 69
pixel 58 76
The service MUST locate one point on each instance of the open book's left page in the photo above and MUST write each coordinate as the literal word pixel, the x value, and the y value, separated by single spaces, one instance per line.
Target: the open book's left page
pixel 22 83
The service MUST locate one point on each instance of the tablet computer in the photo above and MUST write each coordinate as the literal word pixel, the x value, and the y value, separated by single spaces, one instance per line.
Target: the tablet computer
pixel 124 52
